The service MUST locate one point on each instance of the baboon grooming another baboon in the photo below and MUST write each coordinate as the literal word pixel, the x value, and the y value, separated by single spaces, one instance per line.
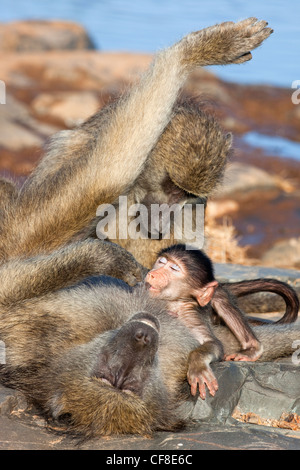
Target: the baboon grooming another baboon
pixel 105 360
pixel 110 154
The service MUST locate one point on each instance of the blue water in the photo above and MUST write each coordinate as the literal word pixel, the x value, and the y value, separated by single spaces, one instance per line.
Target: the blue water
pixel 273 145
pixel 148 25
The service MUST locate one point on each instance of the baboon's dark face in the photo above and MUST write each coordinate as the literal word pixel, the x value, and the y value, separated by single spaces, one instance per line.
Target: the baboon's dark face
pixel 113 385
pixel 125 361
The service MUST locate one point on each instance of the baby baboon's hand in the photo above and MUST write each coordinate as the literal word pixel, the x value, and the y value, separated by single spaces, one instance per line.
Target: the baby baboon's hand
pixel 225 43
pixel 201 376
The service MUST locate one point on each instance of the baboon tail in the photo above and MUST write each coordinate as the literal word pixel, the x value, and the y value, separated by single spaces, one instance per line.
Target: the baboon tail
pixel 288 294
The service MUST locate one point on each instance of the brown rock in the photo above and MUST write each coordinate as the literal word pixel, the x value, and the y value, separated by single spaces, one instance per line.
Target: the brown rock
pixel 69 107
pixel 240 177
pixel 284 253
pixel 52 91
pixel 19 129
pixel 36 36
pixel 70 70
pixel 21 138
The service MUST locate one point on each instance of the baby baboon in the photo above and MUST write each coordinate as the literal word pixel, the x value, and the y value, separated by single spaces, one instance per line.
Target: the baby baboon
pixel 106 359
pixel 185 279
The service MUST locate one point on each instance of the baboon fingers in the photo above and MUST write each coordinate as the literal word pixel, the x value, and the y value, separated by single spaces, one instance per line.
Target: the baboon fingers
pixel 132 274
pixel 247 22
pixel 244 58
pixel 202 379
pixel 212 386
pixel 238 358
pixel 257 26
pixel 252 34
pixel 225 43
pixel 202 391
pixel 132 279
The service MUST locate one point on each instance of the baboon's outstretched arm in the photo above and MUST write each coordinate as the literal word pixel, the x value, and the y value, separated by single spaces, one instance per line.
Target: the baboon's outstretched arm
pixel 65 267
pixel 90 169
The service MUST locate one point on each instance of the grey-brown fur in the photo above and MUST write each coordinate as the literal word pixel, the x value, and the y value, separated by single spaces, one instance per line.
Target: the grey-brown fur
pixel 187 164
pixel 102 159
pixel 58 332
pixel 54 344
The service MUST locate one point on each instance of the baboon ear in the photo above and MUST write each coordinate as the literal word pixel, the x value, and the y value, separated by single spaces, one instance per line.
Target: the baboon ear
pixel 205 294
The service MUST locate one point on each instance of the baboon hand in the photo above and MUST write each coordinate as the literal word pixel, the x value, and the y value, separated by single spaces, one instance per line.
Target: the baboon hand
pixel 124 266
pixel 202 377
pixel 225 43
pixel 134 274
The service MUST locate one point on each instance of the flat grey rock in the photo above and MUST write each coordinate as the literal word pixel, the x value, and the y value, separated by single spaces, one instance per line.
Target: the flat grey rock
pixel 265 389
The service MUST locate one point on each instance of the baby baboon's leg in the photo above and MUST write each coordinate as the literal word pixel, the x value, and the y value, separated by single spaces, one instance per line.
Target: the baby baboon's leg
pixel 95 168
pixel 36 276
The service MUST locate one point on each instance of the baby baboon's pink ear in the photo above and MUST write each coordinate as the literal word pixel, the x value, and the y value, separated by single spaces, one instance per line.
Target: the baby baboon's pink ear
pixel 206 293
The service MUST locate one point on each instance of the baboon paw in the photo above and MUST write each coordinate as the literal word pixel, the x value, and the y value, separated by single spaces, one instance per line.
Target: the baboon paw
pixel 249 34
pixel 202 379
pixel 123 265
pixel 225 43
pixel 133 273
pixel 132 278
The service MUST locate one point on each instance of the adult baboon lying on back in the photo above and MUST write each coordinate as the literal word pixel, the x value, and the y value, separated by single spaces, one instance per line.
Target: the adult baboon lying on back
pixel 105 359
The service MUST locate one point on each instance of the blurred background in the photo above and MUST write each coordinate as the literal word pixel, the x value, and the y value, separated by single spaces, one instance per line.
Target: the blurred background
pixel 63 60
pixel 149 25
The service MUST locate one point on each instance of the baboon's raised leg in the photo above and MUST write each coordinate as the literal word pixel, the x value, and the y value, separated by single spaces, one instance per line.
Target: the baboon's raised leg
pixel 8 192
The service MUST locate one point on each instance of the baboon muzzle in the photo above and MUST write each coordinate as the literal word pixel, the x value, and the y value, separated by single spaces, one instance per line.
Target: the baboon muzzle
pixel 125 360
